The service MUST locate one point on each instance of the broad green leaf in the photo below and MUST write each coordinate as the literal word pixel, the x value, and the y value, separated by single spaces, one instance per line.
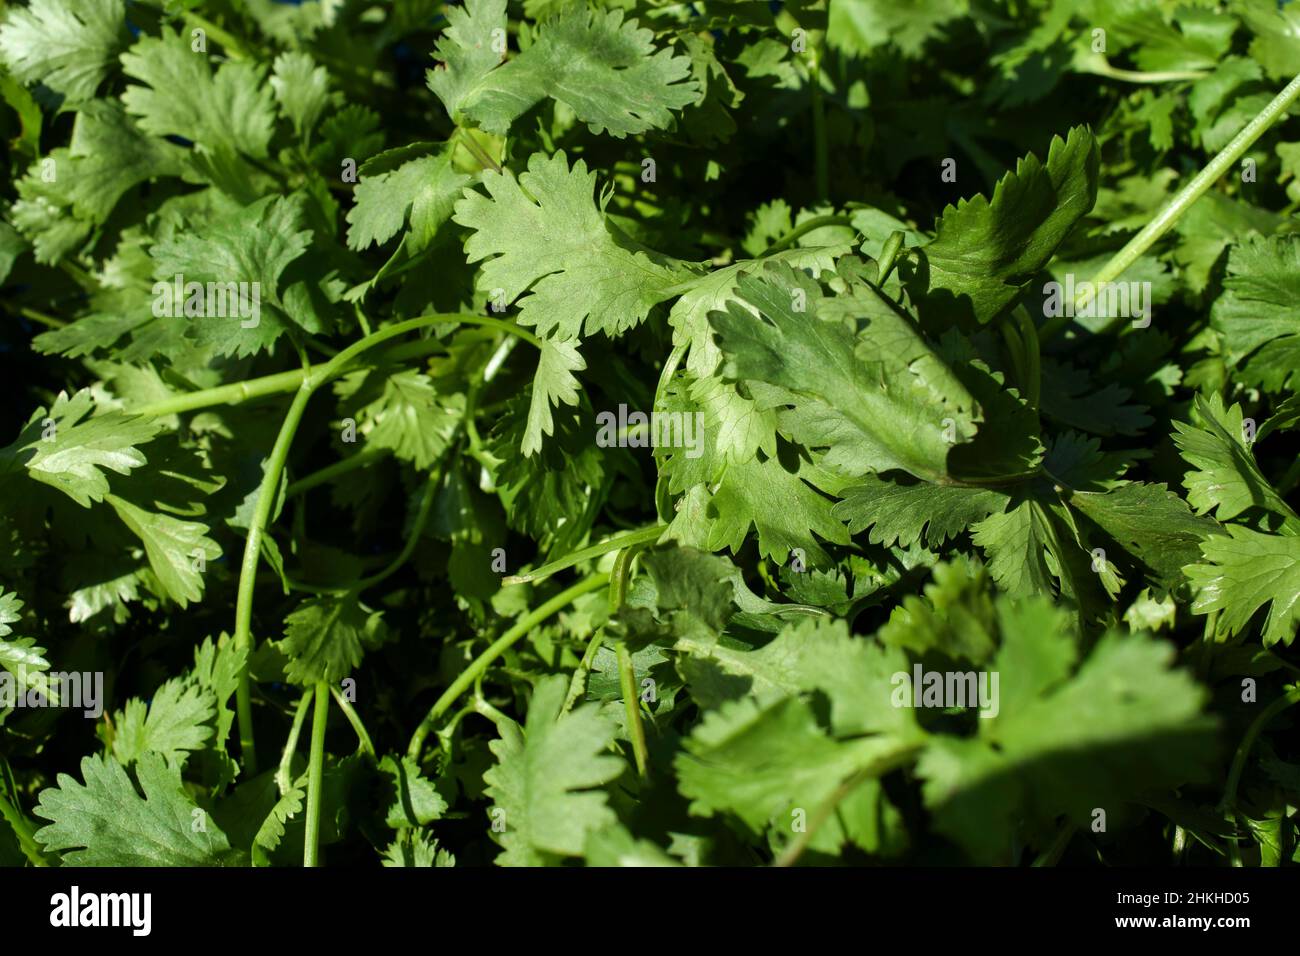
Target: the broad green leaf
pixel 176 721
pixel 403 412
pixel 105 822
pixel 67 450
pixel 302 88
pixel 177 549
pixel 404 185
pixel 880 397
pixel 553 384
pixel 985 252
pixel 1242 572
pixel 604 69
pixel 545 784
pixel 1226 479
pixel 326 637
pixel 69 45
pixel 25 662
pixel 182 96
pixel 543 233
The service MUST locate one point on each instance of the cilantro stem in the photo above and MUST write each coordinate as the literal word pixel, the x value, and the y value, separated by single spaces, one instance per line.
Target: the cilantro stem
pixel 1099 65
pixel 876 768
pixel 618 581
pixel 1175 208
pixel 266 495
pixel 412 539
pixel 35 315
pixel 284 774
pixel 495 650
pixel 288 381
pixel 315 774
pixel 805 227
pixel 23 830
pixel 1290 698
pixel 367 456
pixel 821 168
pixel 350 712
pixel 645 535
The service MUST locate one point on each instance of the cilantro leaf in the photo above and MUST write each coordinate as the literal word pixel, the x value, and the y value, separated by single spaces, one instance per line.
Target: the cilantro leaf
pixel 1245 570
pixel 67 450
pixel 546 778
pixel 554 242
pixel 105 822
pixel 985 252
pixel 604 69
pixel 68 45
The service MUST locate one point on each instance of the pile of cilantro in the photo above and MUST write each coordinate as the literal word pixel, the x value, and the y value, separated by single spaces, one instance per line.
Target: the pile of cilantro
pixel 364 588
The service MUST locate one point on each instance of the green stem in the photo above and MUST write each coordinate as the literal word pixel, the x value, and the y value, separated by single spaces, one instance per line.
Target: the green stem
pixel 1176 207
pixel 644 536
pixel 497 648
pixel 367 745
pixel 288 381
pixel 412 539
pixel 35 315
pixel 1052 855
pixel 805 227
pixel 25 832
pixel 266 494
pixel 1290 698
pixel 1102 67
pixel 367 456
pixel 618 581
pixel 821 168
pixel 876 768
pixel 284 775
pixel 315 774
pixel 233 46
pixel 248 570
pixel 889 251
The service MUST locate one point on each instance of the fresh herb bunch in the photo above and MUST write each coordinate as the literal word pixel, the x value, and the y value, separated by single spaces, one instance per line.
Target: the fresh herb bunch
pixel 649 433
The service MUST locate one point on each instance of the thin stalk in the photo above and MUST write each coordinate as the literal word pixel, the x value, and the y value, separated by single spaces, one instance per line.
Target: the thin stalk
pixel 248 570
pixel 618 581
pixel 266 494
pixel 644 536
pixel 283 775
pixel 1289 699
pixel 315 775
pixel 412 539
pixel 288 381
pixel 805 227
pixel 1103 68
pixel 889 254
pixel 25 832
pixel 877 768
pixel 497 648
pixel 36 315
pixel 1052 855
pixel 821 168
pixel 632 708
pixel 361 459
pixel 367 745
pixel 234 47
pixel 1176 207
